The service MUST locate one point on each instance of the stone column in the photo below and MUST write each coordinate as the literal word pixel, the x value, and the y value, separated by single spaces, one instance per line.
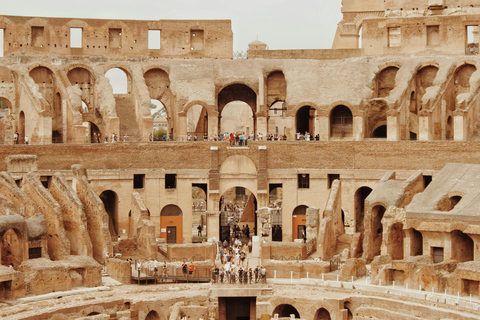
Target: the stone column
pixel 290 120
pixel 180 133
pixel 423 126
pixel 213 218
pixel 460 127
pixel 358 131
pixel 213 125
pixel 393 126
pixel 324 128
pixel 262 123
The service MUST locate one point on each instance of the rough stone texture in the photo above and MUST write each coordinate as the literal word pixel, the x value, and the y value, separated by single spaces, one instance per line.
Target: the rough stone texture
pixel 119 270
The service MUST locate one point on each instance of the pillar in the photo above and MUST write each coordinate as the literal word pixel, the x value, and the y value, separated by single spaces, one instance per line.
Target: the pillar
pixel 213 125
pixel 324 128
pixel 423 127
pixel 213 218
pixel 358 131
pixel 393 126
pixel 290 123
pixel 460 127
pixel 262 123
pixel 180 133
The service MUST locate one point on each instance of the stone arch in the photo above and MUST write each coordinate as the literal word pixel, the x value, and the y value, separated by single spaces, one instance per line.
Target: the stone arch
pixel 416 242
pixel 158 84
pixel 276 87
pixel 232 200
pixel 45 78
pixel 360 195
pixel 197 113
pixel 450 201
pixel 237 92
pixel 285 310
pixel 152 315
pixel 341 122
pixel 125 83
pixel 110 202
pixel 238 164
pixel 385 81
pixel 376 119
pixel 396 236
pixel 171 224
pixel 6 75
pixel 322 314
pixel 305 116
pixel 21 127
pixel 462 78
pixel 5 107
pixel 462 246
pixel 299 222
pixel 12 247
pixel 85 79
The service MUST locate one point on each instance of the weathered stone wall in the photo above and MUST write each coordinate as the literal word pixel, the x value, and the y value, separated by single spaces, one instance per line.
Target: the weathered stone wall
pixel 119 270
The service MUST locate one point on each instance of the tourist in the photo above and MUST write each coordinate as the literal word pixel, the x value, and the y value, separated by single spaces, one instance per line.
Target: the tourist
pixel 155 267
pixel 26 140
pixel 191 268
pixel 150 137
pixel 164 270
pixel 15 138
pixel 199 228
pixel 184 269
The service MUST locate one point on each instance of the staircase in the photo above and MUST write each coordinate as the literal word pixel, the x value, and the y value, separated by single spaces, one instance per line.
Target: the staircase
pixel 125 106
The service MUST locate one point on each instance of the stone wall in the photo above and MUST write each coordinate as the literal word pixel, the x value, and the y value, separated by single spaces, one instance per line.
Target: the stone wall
pixel 119 270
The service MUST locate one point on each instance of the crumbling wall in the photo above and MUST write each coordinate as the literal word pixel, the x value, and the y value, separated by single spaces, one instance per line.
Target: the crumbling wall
pixel 119 270
pixel 97 217
pixel 23 204
pixel 74 219
pixel 58 243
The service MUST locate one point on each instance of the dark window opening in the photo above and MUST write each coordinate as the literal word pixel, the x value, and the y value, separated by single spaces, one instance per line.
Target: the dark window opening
pixel 437 253
pixel 170 181
pixel 138 181
pixel 426 180
pixel 46 180
pixel 304 181
pixel 332 177
pixel 34 253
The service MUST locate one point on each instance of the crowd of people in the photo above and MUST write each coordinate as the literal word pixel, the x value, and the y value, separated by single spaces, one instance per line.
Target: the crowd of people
pixel 234 268
pixel 307 137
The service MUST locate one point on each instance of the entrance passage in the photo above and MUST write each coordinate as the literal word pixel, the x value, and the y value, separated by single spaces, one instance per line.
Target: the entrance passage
pixel 240 308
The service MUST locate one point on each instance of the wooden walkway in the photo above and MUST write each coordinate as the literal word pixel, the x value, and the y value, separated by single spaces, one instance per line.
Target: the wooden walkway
pixel 144 279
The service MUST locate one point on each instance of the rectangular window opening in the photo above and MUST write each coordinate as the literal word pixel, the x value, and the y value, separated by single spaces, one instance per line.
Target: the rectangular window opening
pixel 138 181
pixel 196 40
pixel 303 181
pixel 433 36
pixel 331 178
pixel 154 37
pixel 437 253
pixel 394 37
pixel 37 37
pixel 114 38
pixel 472 40
pixel 76 37
pixel 35 253
pixel 170 181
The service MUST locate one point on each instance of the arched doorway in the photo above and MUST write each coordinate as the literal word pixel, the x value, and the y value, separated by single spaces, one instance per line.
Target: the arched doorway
pixel 95 134
pixel 152 315
pixel 199 206
pixel 277 123
pixel 416 242
pixel 244 119
pixel 238 207
pixel 110 202
pixel 197 122
pixel 341 122
pixel 276 201
pixel 57 120
pixel 449 129
pixel 12 252
pixel 285 310
pixel 385 82
pixel 160 122
pixel 118 80
pixel 322 314
pixel 462 246
pixel 380 132
pixel 305 121
pixel 360 195
pixel 377 228
pixel 171 224
pixel 21 128
pixel 299 222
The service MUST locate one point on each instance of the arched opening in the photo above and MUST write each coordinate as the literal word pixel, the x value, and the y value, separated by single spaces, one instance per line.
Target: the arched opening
pixel 416 243
pixel 238 214
pixel 4 108
pixel 160 122
pixel 449 129
pixel 4 112
pixel 152 315
pixel 385 82
pixel 380 132
pixel 299 222
pixel 322 314
pixel 171 224
pixel 360 195
pixel 377 228
pixel 199 218
pixel 305 121
pixel 395 241
pixel 12 252
pixel 341 122
pixel 110 202
pixel 462 246
pixel 275 201
pixel 95 134
pixel 348 307
pixel 84 107
pixel 57 120
pixel 462 78
pixel 118 80
pixel 277 123
pixel 448 202
pixel 238 118
pixel 93 313
pixel 45 79
pixel 285 310
pixel 197 123
pixel 158 84
pixel 85 80
pixel 276 87
pixel 21 128
pixel 360 38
